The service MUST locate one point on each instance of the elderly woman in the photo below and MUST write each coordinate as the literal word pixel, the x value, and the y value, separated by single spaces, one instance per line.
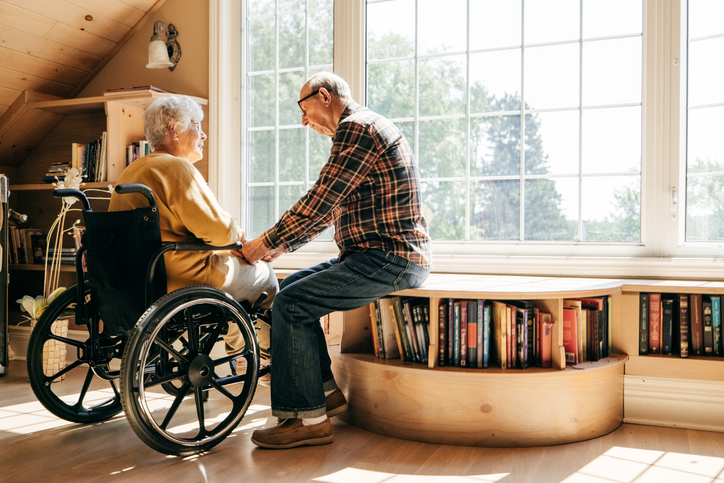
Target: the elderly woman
pixel 189 210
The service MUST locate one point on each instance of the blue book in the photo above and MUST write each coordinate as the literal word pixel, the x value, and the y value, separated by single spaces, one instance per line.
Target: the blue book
pixel 716 324
pixel 667 325
pixel 480 334
pixel 456 335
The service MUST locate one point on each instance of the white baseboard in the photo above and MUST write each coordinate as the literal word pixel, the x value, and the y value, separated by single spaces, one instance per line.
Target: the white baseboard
pixel 672 402
pixel 20 336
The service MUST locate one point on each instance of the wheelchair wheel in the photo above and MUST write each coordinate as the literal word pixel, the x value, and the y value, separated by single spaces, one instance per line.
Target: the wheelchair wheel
pixel 178 344
pixel 74 377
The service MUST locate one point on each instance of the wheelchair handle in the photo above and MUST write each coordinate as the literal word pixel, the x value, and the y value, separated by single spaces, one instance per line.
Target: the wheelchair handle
pixel 137 188
pixel 73 193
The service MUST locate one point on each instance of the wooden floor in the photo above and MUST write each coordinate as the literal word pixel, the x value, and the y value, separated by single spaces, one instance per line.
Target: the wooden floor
pixel 35 446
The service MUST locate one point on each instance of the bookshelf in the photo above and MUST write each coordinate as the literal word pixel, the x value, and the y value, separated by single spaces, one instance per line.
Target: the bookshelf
pixel 37 131
pixel 534 407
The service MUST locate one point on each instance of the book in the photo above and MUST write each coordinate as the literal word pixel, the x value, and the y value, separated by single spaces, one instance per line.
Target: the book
pixel 643 324
pixel 391 342
pixel 667 325
pixel 121 91
pixel 451 332
pixel 472 351
pixel 654 323
pixel 570 335
pixel 696 324
pixel 421 321
pixel 373 329
pixel 403 330
pixel 456 334
pixel 463 333
pixel 486 333
pixel 31 234
pixel 716 324
pixel 480 326
pixel 442 333
pixel 522 337
pixel 411 330
pixel 581 329
pixel 546 340
pixel 378 326
pixel 683 325
pixel 499 334
pixel 707 323
pixel 512 336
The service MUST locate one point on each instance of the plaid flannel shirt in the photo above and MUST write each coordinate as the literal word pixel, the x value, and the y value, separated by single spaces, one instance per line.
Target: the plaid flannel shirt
pixel 369 190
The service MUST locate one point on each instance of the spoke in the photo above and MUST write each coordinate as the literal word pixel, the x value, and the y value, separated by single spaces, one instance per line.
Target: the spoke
pixel 84 390
pixel 200 411
pixel 171 350
pixel 63 371
pixel 191 330
pixel 221 389
pixel 213 337
pixel 244 354
pixel 176 403
pixel 65 340
pixel 167 378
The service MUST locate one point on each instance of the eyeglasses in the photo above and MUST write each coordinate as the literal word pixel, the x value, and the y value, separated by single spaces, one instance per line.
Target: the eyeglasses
pixel 299 102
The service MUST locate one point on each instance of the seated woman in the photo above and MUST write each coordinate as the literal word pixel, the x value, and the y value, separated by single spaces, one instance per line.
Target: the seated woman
pixel 189 211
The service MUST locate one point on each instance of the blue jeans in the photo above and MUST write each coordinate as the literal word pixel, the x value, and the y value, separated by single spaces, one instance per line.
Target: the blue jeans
pixel 301 368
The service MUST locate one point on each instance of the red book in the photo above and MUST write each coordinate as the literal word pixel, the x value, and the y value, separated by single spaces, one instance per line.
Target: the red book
pixel 570 335
pixel 546 340
pixel 696 340
pixel 655 323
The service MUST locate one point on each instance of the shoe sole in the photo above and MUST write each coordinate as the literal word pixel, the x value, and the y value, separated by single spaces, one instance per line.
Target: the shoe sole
pixel 306 442
pixel 337 411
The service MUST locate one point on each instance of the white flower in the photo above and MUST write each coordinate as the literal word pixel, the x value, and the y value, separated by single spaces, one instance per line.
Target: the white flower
pixel 73 179
pixel 35 306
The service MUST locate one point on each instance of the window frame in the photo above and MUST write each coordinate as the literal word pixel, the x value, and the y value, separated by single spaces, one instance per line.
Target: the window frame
pixel 662 251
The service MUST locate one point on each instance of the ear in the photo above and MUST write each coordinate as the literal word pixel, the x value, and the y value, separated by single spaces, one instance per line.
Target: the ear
pixel 326 96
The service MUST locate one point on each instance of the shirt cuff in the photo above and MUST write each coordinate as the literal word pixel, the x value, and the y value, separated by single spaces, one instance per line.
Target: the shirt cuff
pixel 270 237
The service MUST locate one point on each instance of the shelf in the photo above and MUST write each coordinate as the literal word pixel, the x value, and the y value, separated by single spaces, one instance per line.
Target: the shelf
pixel 492 408
pixel 699 368
pixel 34 267
pixel 50 186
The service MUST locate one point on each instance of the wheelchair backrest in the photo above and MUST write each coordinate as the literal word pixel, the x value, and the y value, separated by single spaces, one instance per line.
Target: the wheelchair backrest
pixel 119 246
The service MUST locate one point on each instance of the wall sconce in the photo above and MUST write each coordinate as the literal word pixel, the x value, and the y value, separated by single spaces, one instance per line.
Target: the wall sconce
pixel 163 54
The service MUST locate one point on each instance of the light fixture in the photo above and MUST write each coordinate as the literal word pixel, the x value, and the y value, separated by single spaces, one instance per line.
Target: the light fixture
pixel 163 54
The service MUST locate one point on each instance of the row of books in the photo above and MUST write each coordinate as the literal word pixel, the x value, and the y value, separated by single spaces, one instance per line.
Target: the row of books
pixel 400 328
pixel 89 159
pixel 680 324
pixel 25 245
pixel 586 329
pixel 137 150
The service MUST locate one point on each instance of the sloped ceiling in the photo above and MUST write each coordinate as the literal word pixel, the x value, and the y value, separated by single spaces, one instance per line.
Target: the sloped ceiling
pixel 57 46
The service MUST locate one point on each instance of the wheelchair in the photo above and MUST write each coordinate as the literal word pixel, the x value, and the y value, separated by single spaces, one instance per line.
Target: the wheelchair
pixel 157 356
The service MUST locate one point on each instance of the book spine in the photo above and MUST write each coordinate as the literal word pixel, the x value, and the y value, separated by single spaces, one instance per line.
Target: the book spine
pixel 716 324
pixel 481 333
pixel 451 333
pixel 442 334
pixel 643 324
pixel 696 321
pixel 667 318
pixel 463 334
pixel 684 325
pixel 472 334
pixel 708 329
pixel 456 335
pixel 486 336
pixel 654 323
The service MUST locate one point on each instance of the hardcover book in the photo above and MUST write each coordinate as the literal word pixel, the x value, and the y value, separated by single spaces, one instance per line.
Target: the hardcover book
pixel 683 325
pixel 442 333
pixel 716 324
pixel 391 343
pixel 667 325
pixel 499 334
pixel 570 335
pixel 654 323
pixel 643 324
pixel 708 329
pixel 696 321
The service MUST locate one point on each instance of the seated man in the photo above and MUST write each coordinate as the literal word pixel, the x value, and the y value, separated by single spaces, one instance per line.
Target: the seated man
pixel 189 211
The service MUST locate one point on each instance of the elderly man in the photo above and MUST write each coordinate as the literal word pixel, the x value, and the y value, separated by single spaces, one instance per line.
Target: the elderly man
pixel 369 191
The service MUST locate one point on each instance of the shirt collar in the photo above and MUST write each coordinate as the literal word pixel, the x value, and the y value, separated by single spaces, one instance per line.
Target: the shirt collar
pixel 351 107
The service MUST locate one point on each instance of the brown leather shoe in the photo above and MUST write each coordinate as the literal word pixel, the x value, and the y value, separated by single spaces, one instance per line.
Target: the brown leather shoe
pixel 336 403
pixel 292 433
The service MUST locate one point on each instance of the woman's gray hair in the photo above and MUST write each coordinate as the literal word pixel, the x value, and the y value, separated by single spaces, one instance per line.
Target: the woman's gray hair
pixel 334 84
pixel 176 112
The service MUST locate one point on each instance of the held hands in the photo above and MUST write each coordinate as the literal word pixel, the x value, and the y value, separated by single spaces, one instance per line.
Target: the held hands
pixel 256 250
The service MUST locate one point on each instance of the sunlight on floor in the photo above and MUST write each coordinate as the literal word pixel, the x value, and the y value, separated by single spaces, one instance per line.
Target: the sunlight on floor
pixel 630 465
pixel 33 417
pixel 354 475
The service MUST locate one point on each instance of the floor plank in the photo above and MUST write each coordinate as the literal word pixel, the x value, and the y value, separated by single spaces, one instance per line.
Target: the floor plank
pixel 110 451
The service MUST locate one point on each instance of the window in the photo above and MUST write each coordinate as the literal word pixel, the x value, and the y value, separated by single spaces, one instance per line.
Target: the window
pixel 705 115
pixel 525 115
pixel 286 42
pixel 616 102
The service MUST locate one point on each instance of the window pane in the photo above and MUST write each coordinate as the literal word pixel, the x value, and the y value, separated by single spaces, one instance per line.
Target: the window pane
pixel 706 71
pixel 551 21
pixel 495 210
pixel 261 38
pixel 442 86
pixel 442 148
pixel 494 24
pixel 262 216
pixel 559 135
pixel 290 83
pixel 545 215
pixel 260 7
pixel 438 32
pixel 319 149
pixel 390 29
pixel 291 40
pixel 705 204
pixel 261 156
pixel 611 208
pixel 551 76
pixel 606 18
pixel 612 140
pixel 612 72
pixel 291 154
pixel 705 18
pixel 391 88
pixel 444 205
pixel 495 146
pixel 261 100
pixel 288 195
pixel 290 5
pixel 492 76
pixel 321 35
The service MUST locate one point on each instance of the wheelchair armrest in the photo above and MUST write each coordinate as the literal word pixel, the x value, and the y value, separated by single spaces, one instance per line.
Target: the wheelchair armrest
pixel 137 188
pixel 197 246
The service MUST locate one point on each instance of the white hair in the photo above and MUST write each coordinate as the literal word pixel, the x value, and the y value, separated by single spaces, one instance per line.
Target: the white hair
pixel 333 83
pixel 176 112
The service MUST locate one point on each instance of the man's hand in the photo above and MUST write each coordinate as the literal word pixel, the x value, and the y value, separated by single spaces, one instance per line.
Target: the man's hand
pixel 253 251
pixel 274 254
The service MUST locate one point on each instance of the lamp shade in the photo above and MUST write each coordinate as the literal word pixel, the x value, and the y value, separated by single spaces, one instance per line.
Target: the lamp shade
pixel 158 55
